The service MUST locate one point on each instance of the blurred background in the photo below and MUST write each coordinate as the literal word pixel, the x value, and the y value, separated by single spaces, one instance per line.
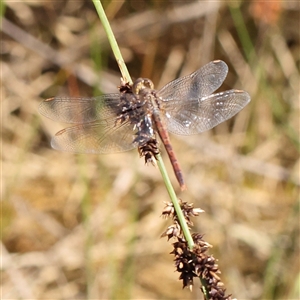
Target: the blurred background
pixel 89 226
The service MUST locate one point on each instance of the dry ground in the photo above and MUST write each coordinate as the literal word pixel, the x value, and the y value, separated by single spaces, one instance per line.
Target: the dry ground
pixel 88 226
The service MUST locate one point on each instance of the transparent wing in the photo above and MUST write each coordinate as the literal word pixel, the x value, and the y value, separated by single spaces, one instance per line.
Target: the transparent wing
pixel 97 129
pixel 200 114
pixel 80 110
pixel 97 137
pixel 202 82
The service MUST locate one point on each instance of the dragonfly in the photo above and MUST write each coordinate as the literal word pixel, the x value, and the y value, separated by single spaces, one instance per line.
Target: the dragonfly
pixel 138 113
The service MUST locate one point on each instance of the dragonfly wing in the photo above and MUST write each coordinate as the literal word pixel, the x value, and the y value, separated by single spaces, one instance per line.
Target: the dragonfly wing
pixel 204 113
pixel 202 82
pixel 97 137
pixel 80 110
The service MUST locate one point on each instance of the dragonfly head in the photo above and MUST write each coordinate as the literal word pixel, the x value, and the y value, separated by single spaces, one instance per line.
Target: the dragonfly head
pixel 142 84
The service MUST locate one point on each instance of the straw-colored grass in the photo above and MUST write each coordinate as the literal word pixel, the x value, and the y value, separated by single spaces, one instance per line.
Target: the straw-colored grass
pixel 88 226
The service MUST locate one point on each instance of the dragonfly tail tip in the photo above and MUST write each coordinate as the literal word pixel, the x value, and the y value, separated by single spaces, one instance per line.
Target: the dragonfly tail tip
pixel 183 187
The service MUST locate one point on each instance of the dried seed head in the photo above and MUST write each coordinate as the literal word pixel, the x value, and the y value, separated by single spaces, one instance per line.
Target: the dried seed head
pixel 125 87
pixel 148 149
pixel 187 209
pixel 196 211
pixel 168 211
pixel 172 231
pixel 196 263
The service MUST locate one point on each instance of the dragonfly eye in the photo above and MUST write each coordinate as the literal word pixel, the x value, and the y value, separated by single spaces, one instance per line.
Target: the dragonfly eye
pixel 148 83
pixel 141 84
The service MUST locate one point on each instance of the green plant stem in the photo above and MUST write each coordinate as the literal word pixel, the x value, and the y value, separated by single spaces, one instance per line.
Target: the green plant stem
pixel 127 78
pixel 112 41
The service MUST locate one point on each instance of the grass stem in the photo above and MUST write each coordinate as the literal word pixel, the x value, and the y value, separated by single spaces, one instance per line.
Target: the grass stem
pixel 112 41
